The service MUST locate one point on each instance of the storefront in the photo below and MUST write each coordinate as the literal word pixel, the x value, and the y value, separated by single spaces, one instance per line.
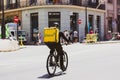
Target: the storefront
pixel 66 16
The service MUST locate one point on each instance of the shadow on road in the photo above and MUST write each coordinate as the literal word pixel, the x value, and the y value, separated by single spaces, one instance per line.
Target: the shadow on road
pixel 47 76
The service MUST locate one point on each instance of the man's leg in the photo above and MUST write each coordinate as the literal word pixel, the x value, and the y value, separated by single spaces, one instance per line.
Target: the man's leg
pixel 60 53
pixel 51 47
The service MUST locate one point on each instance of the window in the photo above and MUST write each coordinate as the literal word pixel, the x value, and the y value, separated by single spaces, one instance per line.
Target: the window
pixel 98 28
pixel 91 17
pixel 53 17
pixel 0 5
pixel 33 2
pixel 118 2
pixel 73 21
pixel 93 1
pixel 110 1
pixel 34 24
pixel 110 24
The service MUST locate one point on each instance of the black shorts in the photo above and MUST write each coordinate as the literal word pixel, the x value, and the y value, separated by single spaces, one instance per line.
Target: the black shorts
pixel 51 45
pixel 57 46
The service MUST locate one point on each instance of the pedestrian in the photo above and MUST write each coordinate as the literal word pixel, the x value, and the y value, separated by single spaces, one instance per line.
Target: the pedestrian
pixel 35 37
pixel 91 30
pixel 71 36
pixel 39 38
pixel 67 35
pixel 75 36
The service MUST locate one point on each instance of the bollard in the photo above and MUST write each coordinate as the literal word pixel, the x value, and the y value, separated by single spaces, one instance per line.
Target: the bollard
pixel 21 42
pixel 90 38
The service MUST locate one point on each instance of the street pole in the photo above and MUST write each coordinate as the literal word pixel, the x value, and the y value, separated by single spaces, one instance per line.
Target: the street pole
pixel 16 20
pixel 3 22
pixel 86 28
pixel 16 3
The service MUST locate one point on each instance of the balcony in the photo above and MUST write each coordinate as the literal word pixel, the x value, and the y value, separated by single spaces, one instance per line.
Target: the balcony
pixel 26 3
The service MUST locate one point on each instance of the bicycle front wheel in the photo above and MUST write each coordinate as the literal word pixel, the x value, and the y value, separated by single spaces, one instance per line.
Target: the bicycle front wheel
pixel 51 65
pixel 65 61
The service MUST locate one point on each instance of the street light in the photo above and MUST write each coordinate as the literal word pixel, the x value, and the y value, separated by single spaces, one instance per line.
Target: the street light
pixel 3 22
pixel 86 28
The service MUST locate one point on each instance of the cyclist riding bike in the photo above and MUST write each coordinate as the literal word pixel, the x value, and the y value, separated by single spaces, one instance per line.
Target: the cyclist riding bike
pixel 58 47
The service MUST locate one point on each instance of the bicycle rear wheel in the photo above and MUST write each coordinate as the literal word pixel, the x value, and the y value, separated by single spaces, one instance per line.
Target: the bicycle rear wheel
pixel 51 65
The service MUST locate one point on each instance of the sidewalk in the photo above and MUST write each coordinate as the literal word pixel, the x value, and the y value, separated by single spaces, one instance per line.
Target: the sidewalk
pixel 7 45
pixel 105 42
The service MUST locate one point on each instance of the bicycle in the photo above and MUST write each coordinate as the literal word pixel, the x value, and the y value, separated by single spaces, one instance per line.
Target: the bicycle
pixel 55 60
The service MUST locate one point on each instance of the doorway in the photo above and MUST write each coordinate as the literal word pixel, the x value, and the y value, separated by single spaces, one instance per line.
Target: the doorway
pixel 74 26
pixel 118 23
pixel 90 22
pixel 73 22
pixel 98 28
pixel 34 24
pixel 54 17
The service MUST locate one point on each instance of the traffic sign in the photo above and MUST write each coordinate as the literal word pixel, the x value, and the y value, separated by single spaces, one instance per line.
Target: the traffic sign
pixel 79 21
pixel 16 20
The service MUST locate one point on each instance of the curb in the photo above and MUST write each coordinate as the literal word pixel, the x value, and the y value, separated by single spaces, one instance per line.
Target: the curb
pixel 8 45
pixel 106 42
pixel 8 50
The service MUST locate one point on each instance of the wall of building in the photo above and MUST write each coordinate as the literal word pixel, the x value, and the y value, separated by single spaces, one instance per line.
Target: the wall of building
pixel 111 12
pixel 65 18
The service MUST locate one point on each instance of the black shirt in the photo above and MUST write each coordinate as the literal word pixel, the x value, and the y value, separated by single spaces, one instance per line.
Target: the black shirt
pixel 61 35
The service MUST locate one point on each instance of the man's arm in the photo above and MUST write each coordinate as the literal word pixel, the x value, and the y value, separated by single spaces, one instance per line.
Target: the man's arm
pixel 63 36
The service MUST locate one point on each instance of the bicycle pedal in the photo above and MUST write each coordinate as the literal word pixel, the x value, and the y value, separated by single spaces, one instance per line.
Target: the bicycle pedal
pixel 58 64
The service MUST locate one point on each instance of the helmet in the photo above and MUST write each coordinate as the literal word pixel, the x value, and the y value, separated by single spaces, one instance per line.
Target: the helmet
pixel 56 24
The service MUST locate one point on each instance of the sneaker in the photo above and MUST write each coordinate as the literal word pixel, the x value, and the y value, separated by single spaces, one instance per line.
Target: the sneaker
pixel 63 68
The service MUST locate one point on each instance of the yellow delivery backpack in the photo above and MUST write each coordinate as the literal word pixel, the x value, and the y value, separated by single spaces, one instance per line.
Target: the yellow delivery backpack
pixel 51 35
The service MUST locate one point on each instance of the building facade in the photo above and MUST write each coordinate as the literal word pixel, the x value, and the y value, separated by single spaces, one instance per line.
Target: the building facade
pixel 38 14
pixel 112 18
pixel 118 15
